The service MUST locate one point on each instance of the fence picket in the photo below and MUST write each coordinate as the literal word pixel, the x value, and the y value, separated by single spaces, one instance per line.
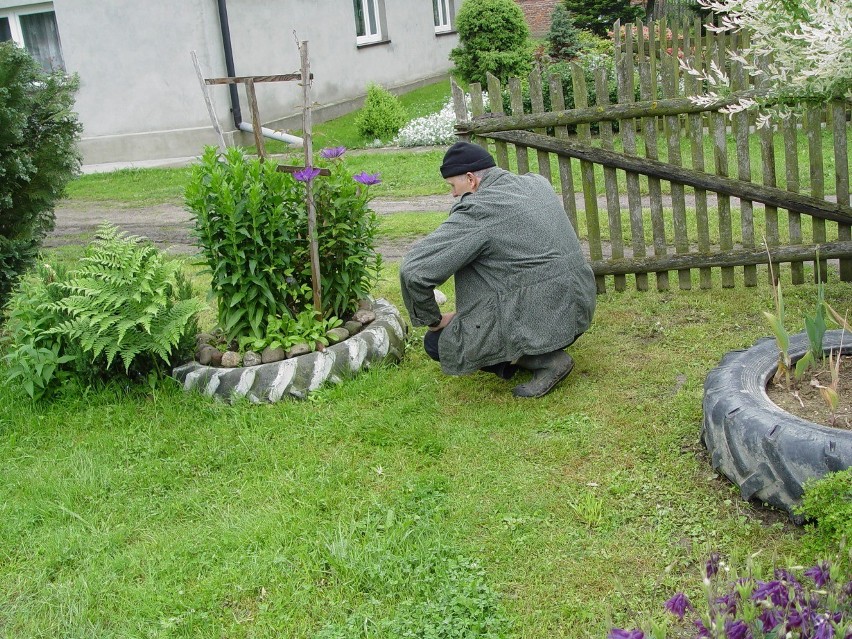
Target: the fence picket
pixel 495 101
pixel 720 157
pixel 841 173
pixel 791 167
pixel 627 128
pixel 587 170
pixel 537 99
pixel 566 177
pixel 813 131
pixel 741 135
pixel 655 193
pixel 696 137
pixel 613 204
pixel 517 103
pixel 477 107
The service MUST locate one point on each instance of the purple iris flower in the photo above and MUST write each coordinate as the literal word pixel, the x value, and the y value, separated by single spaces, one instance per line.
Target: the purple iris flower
pixel 307 174
pixel 333 152
pixel 678 605
pixel 819 574
pixel 712 566
pixel 618 633
pixel 775 591
pixel 737 630
pixel 770 618
pixel 367 179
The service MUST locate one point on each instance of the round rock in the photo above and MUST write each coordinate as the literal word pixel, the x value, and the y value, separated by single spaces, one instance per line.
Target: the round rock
pixel 364 316
pixel 270 355
pixel 352 326
pixel 299 349
pixel 251 359
pixel 231 359
pixel 336 335
pixel 204 355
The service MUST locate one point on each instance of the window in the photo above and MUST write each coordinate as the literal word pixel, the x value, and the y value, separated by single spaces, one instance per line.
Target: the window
pixel 442 10
pixel 368 21
pixel 34 28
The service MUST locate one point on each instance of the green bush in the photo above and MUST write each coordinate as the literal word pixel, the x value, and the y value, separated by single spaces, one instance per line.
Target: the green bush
pixel 382 115
pixel 827 503
pixel 125 303
pixel 252 226
pixel 598 16
pixel 37 157
pixel 563 38
pixel 493 38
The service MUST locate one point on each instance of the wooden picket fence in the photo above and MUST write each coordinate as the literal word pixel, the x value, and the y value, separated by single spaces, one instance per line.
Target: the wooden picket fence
pixel 719 185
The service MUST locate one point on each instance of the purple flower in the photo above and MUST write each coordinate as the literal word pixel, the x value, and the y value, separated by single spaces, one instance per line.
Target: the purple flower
pixel 737 630
pixel 775 591
pixel 333 152
pixel 367 179
pixel 703 632
pixel 307 174
pixel 712 566
pixel 824 629
pixel 819 574
pixel 770 618
pixel 728 603
pixel 678 605
pixel 618 633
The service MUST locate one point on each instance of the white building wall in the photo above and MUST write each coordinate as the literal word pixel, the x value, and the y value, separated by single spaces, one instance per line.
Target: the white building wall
pixel 139 96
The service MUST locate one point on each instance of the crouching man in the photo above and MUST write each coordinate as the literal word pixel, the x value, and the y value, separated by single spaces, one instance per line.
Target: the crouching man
pixel 524 291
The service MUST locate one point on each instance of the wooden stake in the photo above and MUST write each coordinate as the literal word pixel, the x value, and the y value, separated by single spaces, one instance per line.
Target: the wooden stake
pixel 316 280
pixel 255 119
pixel 210 110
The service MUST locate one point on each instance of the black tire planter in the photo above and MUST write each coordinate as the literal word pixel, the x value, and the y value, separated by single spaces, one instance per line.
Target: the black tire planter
pixel 766 451
pixel 383 340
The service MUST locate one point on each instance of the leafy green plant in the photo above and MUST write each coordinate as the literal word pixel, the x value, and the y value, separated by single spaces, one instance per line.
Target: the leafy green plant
pixel 827 505
pixel 382 115
pixel 493 38
pixel 125 303
pixel 251 222
pixel 285 332
pixel 563 37
pixel 38 156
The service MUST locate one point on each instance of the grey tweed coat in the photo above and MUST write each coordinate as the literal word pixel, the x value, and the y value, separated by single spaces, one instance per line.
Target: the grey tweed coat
pixel 522 284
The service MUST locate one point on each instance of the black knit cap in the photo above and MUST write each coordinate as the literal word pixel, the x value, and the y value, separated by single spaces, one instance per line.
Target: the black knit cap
pixel 463 157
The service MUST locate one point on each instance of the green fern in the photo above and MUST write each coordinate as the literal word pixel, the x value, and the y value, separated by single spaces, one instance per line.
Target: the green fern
pixel 124 303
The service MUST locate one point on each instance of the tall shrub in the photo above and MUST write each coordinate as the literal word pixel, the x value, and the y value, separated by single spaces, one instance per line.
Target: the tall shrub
pixel 563 38
pixel 37 157
pixel 382 114
pixel 598 16
pixel 252 225
pixel 493 37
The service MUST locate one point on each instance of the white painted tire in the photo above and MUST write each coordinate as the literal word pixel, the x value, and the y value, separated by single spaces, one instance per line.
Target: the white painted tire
pixel 383 340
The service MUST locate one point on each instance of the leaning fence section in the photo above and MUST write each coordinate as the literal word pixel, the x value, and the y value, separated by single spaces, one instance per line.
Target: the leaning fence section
pixel 669 186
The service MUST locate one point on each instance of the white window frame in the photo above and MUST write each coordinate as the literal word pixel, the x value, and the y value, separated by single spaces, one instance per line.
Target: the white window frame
pixel 13 14
pixel 445 15
pixel 370 37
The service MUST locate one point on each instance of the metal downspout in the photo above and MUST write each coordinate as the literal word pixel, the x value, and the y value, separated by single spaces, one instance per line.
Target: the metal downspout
pixel 229 62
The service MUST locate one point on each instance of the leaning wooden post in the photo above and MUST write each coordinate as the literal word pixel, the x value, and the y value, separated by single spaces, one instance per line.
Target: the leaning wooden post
pixel 459 107
pixel 210 110
pixel 316 281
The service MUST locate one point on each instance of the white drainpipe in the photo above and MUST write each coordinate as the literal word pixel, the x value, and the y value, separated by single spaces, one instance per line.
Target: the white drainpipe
pixel 273 134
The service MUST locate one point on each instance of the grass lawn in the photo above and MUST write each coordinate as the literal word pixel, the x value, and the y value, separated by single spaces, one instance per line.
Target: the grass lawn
pixel 400 501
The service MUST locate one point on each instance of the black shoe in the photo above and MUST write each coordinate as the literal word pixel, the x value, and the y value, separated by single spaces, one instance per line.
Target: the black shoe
pixel 548 370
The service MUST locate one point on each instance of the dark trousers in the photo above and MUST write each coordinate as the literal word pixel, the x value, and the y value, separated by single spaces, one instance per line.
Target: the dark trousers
pixel 503 370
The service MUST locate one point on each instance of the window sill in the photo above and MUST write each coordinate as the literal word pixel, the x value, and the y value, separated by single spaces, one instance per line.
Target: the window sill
pixel 365 45
pixel 438 34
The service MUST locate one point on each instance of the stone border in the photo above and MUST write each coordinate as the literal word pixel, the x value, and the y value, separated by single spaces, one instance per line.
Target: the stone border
pixel 382 340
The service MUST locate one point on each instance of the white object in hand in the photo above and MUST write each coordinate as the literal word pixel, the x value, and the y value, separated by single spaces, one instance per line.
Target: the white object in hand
pixel 440 298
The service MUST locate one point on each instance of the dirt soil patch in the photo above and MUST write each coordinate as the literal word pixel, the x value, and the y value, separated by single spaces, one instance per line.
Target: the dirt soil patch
pixel 807 402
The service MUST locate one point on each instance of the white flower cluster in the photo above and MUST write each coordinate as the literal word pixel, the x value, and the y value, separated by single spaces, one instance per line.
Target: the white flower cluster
pixel 798 50
pixel 431 130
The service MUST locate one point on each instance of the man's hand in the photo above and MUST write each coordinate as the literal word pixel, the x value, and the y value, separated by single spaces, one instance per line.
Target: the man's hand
pixel 445 319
